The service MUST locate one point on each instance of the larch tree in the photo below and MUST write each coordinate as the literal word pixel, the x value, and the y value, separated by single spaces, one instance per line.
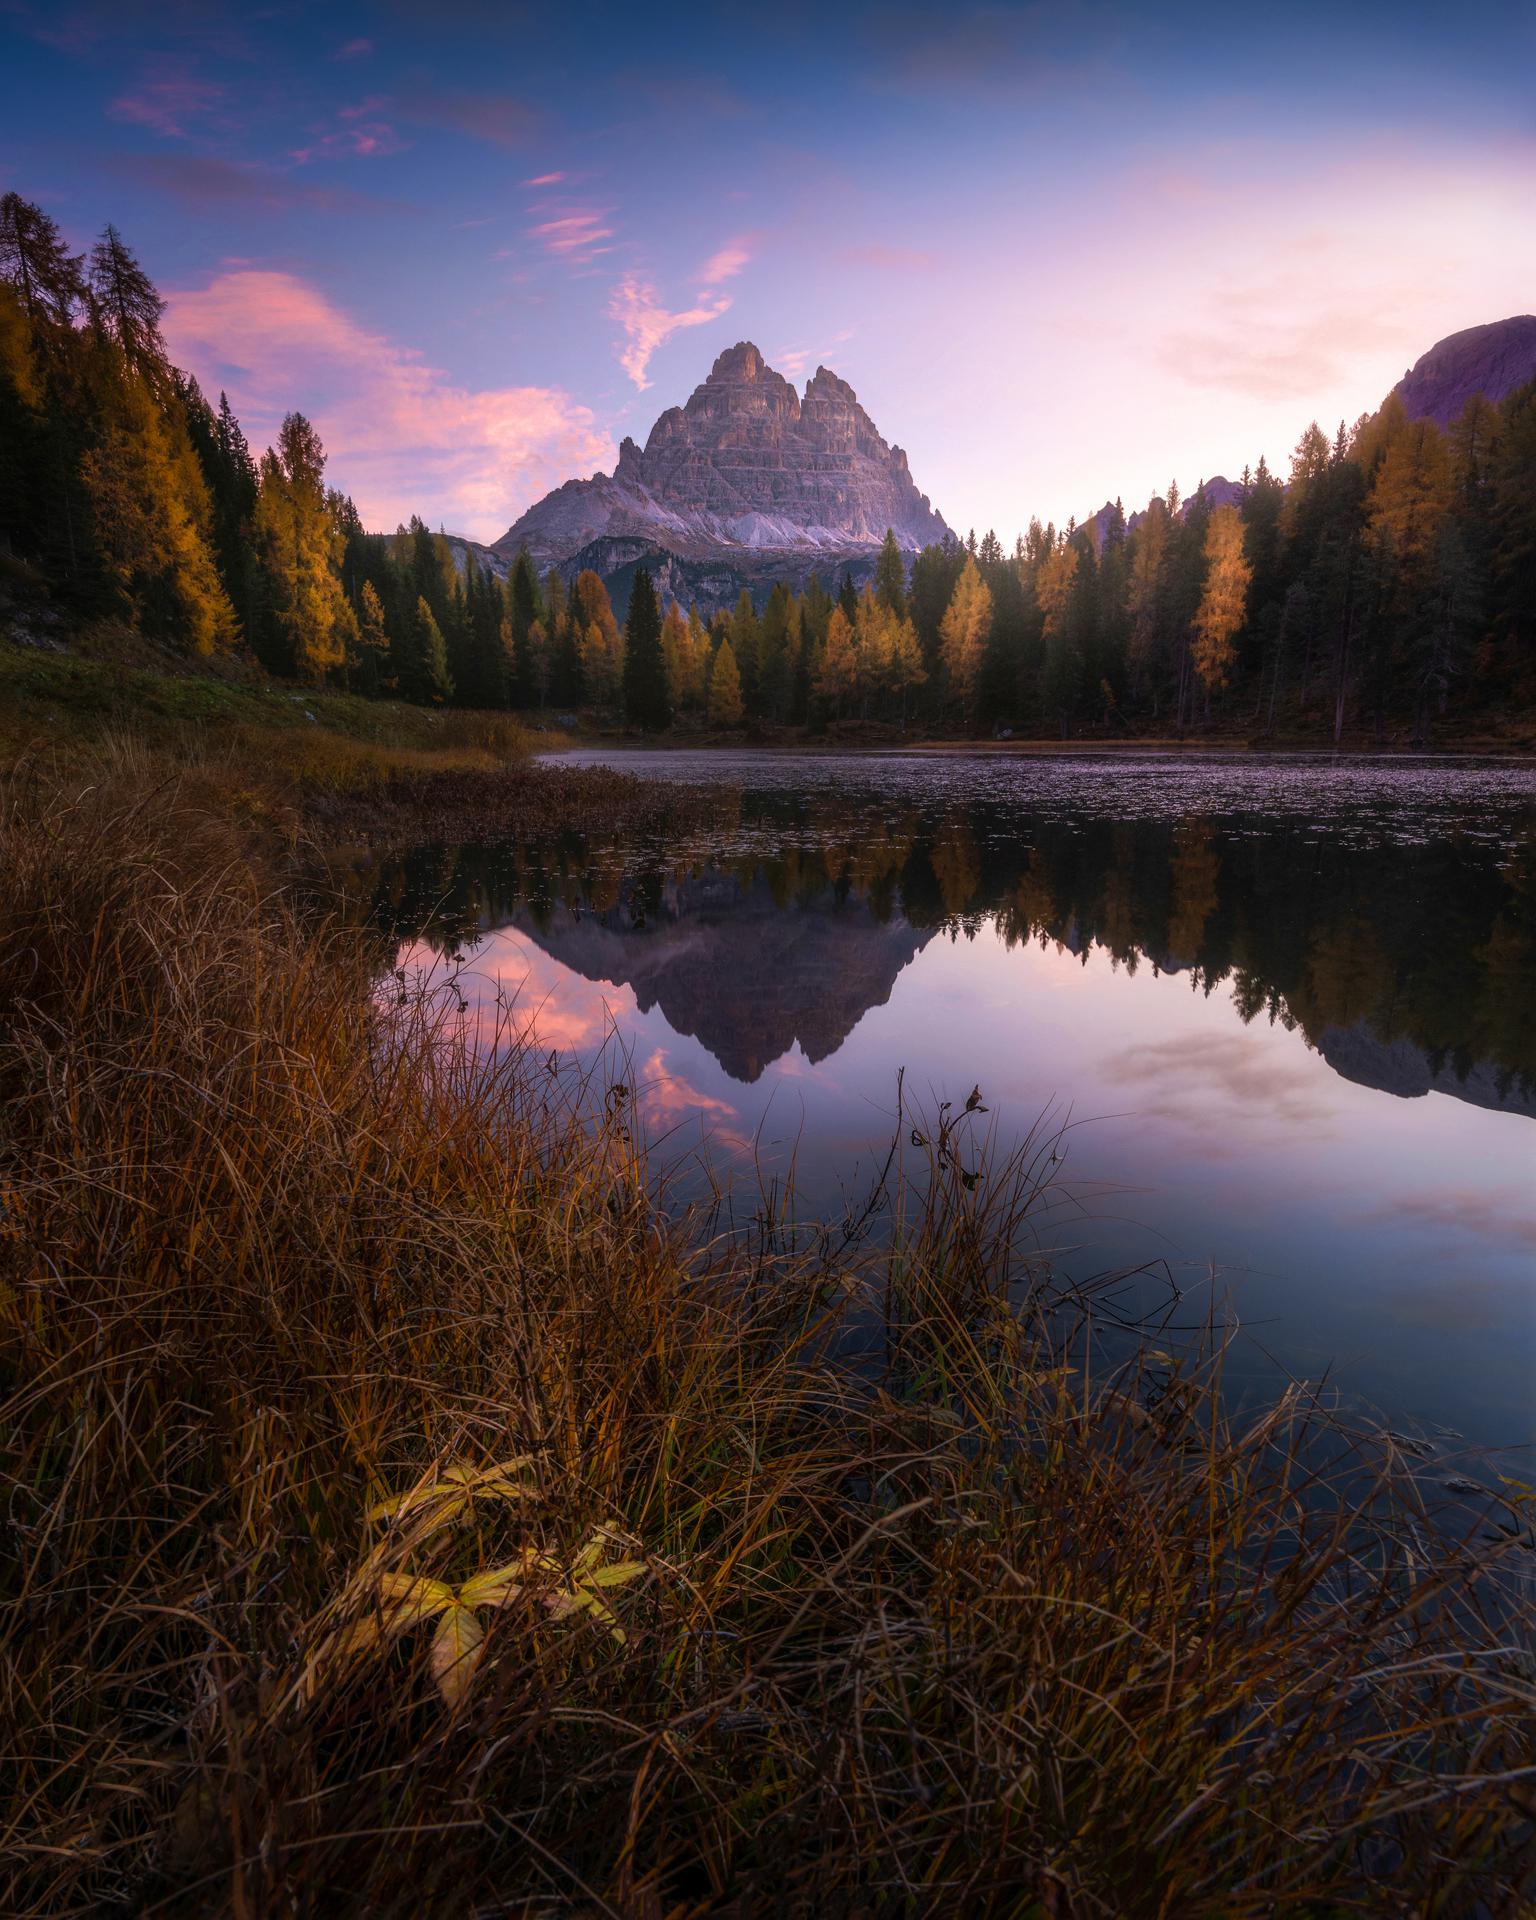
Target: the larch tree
pixel 1224 602
pixel 837 675
pixel 152 515
pixel 906 670
pixel 963 637
pixel 725 705
pixel 301 548
pixel 127 308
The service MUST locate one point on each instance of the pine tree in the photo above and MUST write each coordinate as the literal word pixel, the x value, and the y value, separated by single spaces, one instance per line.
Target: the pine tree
pixel 645 673
pixel 523 607
pixel 891 575
pixel 746 639
pixel 431 650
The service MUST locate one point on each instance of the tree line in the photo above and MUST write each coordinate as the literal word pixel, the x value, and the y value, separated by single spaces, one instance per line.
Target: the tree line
pixel 1388 579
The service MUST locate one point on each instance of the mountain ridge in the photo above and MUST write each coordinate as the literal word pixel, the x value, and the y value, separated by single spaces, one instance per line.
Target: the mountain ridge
pixel 744 467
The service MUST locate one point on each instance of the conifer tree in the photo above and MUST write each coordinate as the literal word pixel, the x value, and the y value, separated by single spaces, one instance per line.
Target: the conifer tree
pixel 127 308
pixel 1224 604
pixel 725 705
pixel 48 278
pixel 602 644
pixel 963 633
pixel 523 608
pixel 891 575
pixel 837 675
pixel 645 673
pixel 300 548
pixel 431 651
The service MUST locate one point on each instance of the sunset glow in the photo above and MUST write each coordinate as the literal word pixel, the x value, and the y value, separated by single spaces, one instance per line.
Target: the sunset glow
pixel 1072 253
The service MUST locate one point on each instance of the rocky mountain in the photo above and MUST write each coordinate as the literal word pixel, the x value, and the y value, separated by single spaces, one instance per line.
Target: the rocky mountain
pixel 747 479
pixel 1491 360
pixel 730 966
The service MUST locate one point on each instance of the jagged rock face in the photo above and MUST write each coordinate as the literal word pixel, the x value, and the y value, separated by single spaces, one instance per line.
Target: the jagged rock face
pixel 744 466
pixel 729 966
pixel 1491 360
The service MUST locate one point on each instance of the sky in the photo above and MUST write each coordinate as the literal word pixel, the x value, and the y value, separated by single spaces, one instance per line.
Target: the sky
pixel 1062 252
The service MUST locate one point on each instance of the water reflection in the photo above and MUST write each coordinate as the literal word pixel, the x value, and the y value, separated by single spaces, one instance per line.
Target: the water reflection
pixel 1303 1047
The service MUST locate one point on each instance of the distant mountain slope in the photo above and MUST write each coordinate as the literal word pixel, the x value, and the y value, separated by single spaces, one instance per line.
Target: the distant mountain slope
pixel 1491 360
pixel 744 469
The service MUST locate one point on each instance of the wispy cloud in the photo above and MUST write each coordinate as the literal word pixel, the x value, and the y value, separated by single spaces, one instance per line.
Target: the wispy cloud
pixel 170 100
pixel 648 324
pixel 354 50
pixel 402 436
pixel 725 264
pixel 545 180
pixel 364 135
pixel 573 233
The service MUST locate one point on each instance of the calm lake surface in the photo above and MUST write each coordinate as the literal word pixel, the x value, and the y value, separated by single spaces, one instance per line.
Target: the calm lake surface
pixel 1285 1009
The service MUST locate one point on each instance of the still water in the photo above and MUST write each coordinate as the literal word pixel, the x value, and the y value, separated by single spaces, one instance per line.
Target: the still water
pixel 1284 1010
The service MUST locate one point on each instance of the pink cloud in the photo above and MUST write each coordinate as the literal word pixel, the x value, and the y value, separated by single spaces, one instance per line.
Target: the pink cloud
pixel 725 264
pixel 545 180
pixel 167 100
pixel 574 233
pixel 402 437
pixel 354 50
pixel 360 139
pixel 648 324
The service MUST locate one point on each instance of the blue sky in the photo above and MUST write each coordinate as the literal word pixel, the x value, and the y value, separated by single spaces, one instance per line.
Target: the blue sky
pixel 1061 252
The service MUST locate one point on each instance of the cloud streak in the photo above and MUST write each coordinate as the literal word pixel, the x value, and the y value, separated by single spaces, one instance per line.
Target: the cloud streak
pixel 402 436
pixel 647 324
pixel 725 264
pixel 573 233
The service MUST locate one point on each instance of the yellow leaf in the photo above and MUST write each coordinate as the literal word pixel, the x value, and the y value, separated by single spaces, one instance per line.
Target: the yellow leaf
pixel 456 1653
pixel 616 1574
pixel 586 1599
pixel 497 1584
pixel 406 1598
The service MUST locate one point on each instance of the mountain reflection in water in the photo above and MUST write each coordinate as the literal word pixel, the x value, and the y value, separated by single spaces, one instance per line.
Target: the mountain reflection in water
pixel 1258 1009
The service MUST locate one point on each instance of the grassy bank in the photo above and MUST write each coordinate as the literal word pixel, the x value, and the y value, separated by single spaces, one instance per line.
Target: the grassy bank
pixel 405 1517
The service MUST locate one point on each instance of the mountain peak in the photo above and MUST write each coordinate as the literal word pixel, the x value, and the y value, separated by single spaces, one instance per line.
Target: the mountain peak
pixel 743 467
pixel 744 361
pixel 1491 360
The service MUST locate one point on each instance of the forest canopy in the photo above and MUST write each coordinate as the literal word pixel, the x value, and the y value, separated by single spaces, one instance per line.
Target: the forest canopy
pixel 1387 580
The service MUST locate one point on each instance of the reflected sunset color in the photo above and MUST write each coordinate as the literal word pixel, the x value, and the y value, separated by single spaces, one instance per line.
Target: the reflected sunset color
pixel 1289 1056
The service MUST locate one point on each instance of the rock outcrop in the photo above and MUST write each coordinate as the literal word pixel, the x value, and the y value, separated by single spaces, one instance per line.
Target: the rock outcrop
pixel 1491 360
pixel 746 468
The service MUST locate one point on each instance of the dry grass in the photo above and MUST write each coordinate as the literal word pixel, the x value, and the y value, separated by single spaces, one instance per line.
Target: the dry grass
pixel 321 1330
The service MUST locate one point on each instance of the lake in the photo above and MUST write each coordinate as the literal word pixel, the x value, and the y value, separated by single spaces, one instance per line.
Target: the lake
pixel 1284 1010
